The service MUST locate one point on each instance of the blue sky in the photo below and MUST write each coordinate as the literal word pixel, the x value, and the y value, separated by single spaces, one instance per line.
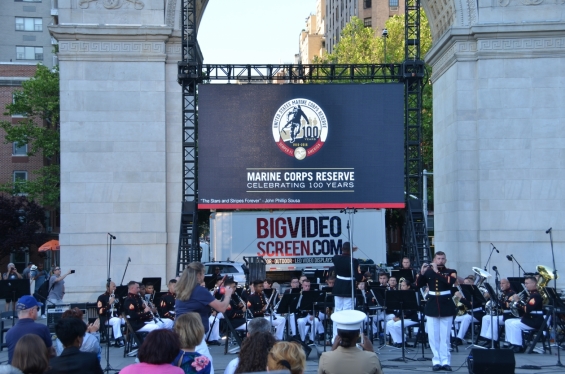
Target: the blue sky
pixel 253 31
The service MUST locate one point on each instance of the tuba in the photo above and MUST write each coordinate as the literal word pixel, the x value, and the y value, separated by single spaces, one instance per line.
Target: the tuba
pixel 546 274
pixel 482 276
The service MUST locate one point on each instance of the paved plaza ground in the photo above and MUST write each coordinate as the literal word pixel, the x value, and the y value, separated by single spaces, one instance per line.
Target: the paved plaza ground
pixel 386 355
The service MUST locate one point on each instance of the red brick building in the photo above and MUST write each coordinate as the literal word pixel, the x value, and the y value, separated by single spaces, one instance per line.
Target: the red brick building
pixel 14 161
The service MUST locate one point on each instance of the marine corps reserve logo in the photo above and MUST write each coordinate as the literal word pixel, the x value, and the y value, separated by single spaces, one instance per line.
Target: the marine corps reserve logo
pixel 300 128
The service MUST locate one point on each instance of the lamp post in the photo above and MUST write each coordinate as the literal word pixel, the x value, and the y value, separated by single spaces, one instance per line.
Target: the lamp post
pixel 385 36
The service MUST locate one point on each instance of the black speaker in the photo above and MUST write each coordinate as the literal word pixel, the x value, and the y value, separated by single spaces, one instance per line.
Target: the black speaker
pixel 492 361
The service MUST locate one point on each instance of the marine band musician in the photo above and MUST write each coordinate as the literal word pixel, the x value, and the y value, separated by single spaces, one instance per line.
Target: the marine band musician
pixel 109 307
pixel 504 303
pixel 140 315
pixel 167 303
pixel 258 305
pixel 439 309
pixel 474 314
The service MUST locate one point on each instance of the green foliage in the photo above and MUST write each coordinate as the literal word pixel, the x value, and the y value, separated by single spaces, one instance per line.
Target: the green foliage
pixel 38 101
pixel 360 45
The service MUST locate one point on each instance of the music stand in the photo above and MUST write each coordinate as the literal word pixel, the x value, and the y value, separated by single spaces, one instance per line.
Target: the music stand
pixel 407 274
pixel 401 300
pixel 288 305
pixel 518 281
pixel 470 292
pixel 308 303
pixel 156 281
pixel 496 306
pixel 379 293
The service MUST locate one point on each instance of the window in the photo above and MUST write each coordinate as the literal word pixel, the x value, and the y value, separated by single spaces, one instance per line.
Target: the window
pixel 393 3
pixel 20 176
pixel 366 4
pixel 367 22
pixel 29 24
pixel 19 151
pixel 29 53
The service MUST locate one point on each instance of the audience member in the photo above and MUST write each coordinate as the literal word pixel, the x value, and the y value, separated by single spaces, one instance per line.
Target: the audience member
pixel 256 325
pixel 190 331
pixel 40 276
pixel 57 286
pixel 91 341
pixel 254 351
pixel 155 355
pixel 31 356
pixel 28 310
pixel 287 355
pixel 11 274
pixel 71 332
pixel 345 357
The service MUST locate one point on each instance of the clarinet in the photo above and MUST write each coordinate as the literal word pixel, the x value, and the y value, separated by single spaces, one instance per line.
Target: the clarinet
pixel 151 304
pixel 246 309
pixel 145 306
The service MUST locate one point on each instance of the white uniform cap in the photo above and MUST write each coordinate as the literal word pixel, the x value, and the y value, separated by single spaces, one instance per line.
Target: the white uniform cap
pixel 348 319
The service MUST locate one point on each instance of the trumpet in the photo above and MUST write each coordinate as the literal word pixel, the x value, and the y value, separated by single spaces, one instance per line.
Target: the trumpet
pixel 112 296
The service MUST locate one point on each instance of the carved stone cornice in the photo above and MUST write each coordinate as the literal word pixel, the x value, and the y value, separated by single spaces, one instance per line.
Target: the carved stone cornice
pixel 111 42
pixel 482 42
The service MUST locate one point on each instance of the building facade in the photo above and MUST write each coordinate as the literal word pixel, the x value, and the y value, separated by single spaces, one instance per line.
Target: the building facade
pixel 311 40
pixel 374 14
pixel 24 29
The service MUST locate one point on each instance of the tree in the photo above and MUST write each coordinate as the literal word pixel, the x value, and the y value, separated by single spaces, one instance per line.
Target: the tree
pixel 22 224
pixel 359 45
pixel 38 101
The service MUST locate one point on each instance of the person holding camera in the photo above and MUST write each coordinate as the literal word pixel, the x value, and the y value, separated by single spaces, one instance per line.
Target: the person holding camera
pixel 11 274
pixel 57 286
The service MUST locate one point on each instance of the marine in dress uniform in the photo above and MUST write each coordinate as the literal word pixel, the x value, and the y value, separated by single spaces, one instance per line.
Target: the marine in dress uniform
pixel 474 314
pixel 344 279
pixel 411 318
pixel 111 315
pixel 167 303
pixel 439 309
pixel 532 319
pixel 347 358
pixel 258 305
pixel 504 302
pixel 140 317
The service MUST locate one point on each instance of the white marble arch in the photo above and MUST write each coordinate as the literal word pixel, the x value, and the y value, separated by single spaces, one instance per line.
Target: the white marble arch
pixel 499 131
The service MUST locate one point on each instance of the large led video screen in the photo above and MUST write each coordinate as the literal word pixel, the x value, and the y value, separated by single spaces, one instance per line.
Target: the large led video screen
pixel 300 146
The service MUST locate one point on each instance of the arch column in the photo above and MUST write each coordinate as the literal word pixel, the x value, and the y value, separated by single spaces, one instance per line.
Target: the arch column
pixel 499 131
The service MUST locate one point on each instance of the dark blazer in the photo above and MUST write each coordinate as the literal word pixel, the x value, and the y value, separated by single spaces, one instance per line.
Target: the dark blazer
pixel 72 360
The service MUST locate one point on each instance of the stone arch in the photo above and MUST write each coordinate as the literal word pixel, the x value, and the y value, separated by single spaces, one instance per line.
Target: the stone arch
pixel 444 14
pixel 173 12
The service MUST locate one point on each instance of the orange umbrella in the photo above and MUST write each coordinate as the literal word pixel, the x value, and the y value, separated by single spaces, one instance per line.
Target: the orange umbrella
pixel 52 245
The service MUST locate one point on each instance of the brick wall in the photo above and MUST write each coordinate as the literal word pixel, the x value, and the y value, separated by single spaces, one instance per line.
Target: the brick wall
pixel 9 163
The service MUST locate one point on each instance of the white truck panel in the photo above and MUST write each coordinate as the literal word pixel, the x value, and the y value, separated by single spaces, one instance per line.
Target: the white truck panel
pixel 295 239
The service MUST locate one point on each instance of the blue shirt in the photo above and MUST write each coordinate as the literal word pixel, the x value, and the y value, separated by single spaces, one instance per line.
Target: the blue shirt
pixel 23 327
pixel 40 279
pixel 199 302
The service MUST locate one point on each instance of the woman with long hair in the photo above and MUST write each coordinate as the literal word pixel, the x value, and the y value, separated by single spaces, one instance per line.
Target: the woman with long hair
pixel 254 352
pixel 156 354
pixel 31 355
pixel 192 297
pixel 190 331
pixel 287 356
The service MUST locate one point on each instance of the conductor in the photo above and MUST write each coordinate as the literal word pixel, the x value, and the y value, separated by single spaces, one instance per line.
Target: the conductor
pixel 344 279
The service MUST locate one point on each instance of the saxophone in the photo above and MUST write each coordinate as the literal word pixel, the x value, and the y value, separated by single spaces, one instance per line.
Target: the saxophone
pixel 546 275
pixel 461 309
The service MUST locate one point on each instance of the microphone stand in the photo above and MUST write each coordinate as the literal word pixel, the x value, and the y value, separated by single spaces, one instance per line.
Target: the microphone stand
pixel 350 212
pixel 554 317
pixel 491 251
pixel 126 269
pixel 496 287
pixel 107 327
pixel 520 266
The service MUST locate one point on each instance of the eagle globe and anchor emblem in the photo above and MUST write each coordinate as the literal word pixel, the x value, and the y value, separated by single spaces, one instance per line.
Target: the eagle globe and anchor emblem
pixel 300 128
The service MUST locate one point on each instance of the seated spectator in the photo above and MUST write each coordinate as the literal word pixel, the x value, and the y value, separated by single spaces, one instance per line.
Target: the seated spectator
pixel 28 311
pixel 71 332
pixel 190 331
pixel 287 355
pixel 254 351
pixel 31 356
pixel 156 353
pixel 345 357
pixel 254 326
pixel 91 341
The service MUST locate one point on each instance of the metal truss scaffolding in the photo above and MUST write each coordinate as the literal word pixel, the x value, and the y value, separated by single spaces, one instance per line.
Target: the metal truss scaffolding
pixel 192 72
